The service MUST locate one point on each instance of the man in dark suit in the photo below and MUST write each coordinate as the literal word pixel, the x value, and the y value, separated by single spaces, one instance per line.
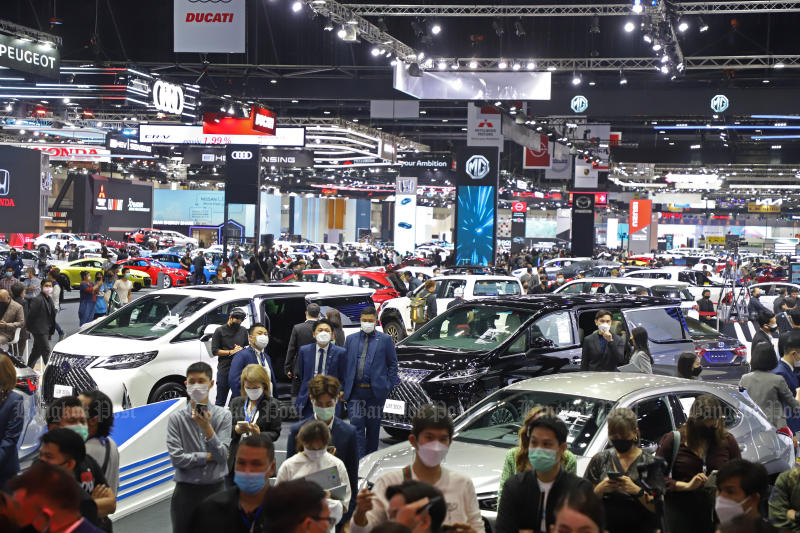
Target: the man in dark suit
pixel 766 326
pixel 371 372
pixel 794 318
pixel 255 354
pixel 41 323
pixel 789 362
pixel 322 357
pixel 324 393
pixel 410 282
pixel 602 350
pixel 302 334
pixel 754 307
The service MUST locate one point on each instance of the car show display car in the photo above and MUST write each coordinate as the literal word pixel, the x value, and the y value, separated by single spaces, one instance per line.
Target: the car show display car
pixel 721 357
pixel 173 260
pixel 770 291
pixel 139 353
pixel 170 276
pixel 698 281
pixel 482 345
pixel 49 241
pixel 486 431
pixel 369 279
pixel 33 425
pixel 73 269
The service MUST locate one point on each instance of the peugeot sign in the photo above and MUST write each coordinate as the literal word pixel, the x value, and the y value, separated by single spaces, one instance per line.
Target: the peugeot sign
pixel 168 97
pixel 242 155
pixel 477 167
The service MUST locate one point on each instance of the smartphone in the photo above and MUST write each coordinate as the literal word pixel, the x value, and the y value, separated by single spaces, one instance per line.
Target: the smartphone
pixel 614 475
pixel 201 409
pixel 242 423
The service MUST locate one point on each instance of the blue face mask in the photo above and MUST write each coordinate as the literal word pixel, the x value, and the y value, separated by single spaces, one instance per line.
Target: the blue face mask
pixel 9 274
pixel 542 459
pixel 250 482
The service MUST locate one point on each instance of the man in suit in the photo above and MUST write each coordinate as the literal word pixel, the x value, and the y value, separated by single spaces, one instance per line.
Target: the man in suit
pixel 371 372
pixel 789 362
pixel 302 334
pixel 706 309
pixel 603 351
pixel 41 323
pixel 766 326
pixel 12 317
pixel 410 282
pixel 322 357
pixel 754 307
pixel 255 354
pixel 324 392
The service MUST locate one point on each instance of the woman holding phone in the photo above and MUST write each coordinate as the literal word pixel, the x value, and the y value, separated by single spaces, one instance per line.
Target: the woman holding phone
pixel 616 477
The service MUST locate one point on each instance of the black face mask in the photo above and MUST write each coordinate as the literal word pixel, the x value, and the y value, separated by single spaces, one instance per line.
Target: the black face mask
pixel 234 326
pixel 696 371
pixel 706 297
pixel 623 445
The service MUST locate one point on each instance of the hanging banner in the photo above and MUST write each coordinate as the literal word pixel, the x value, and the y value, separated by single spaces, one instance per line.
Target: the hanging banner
pixel 639 221
pixel 519 216
pixel 209 26
pixel 180 134
pixel 585 175
pixel 405 214
pixel 583 224
pixel 560 163
pixel 25 55
pixel 537 156
pixel 70 152
pixel 484 126
pixel 477 174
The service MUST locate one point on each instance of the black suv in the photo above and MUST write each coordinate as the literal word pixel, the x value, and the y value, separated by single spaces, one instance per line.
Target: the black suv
pixel 483 345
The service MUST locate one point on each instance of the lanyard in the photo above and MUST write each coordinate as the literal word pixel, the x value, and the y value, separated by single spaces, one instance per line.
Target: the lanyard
pixel 250 525
pixel 248 417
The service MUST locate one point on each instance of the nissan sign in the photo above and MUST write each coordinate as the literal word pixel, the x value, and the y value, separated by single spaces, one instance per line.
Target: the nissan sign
pixel 168 97
pixel 242 155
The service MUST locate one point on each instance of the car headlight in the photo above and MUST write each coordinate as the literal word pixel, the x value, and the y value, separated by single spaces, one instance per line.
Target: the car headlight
pixel 460 376
pixel 125 361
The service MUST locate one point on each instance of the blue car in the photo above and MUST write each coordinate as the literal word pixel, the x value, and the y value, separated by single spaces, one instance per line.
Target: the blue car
pixel 174 260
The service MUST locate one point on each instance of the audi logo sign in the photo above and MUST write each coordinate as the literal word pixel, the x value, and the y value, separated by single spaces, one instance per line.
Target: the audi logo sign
pixel 168 97
pixel 242 155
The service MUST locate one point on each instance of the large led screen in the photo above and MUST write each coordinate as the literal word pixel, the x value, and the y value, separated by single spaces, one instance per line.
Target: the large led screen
pixel 475 225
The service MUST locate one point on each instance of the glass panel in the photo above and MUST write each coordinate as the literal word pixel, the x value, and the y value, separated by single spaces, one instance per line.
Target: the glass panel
pixel 663 324
pixel 149 317
pixel 654 419
pixel 495 288
pixel 556 327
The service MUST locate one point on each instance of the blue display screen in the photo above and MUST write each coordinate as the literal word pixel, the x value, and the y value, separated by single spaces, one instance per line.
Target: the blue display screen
pixel 475 225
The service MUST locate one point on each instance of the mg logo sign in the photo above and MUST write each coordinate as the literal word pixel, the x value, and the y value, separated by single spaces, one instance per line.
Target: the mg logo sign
pixel 477 167
pixel 579 104
pixel 5 182
pixel 244 155
pixel 719 103
pixel 168 97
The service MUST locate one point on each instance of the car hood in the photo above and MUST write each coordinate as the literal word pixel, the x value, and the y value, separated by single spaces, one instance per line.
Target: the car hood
pixel 430 358
pixel 96 345
pixel 482 463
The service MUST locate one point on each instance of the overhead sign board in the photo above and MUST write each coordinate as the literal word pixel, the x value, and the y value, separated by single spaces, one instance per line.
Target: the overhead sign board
pixel 484 126
pixel 427 161
pixel 538 155
pixel 24 55
pixel 209 26
pixel 127 145
pixel 757 207
pixel 178 134
pixel 287 158
pixel 70 152
pixel 263 120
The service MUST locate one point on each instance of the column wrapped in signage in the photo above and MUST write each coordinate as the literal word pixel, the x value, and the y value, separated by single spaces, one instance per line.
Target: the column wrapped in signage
pixel 583 224
pixel 405 214
pixel 639 224
pixel 519 217
pixel 477 172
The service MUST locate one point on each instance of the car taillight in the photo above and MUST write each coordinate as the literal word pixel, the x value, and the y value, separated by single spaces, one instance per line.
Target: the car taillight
pixel 29 384
pixel 700 351
pixel 741 350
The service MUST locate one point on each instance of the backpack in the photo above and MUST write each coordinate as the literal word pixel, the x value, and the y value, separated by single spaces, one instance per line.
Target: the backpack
pixel 418 307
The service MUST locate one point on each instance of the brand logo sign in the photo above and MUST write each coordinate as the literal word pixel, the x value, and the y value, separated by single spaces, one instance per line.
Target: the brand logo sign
pixel 579 104
pixel 483 126
pixel 477 167
pixel 263 120
pixel 168 97
pixel 519 207
pixel 719 103
pixel 244 155
pixel 68 152
pixel 209 26
pixel 583 202
pixel 5 182
pixel 180 134
pixel 538 155
pixel 28 56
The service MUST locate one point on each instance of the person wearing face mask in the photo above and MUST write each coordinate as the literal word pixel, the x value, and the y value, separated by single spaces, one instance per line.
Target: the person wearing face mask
pixel 768 390
pixel 99 445
pixel 699 447
pixel 238 509
pixel 47 498
pixel 228 340
pixel 324 393
pixel 124 286
pixel 371 372
pixel 787 368
pixel 41 323
pixel 708 315
pixel 88 296
pixel 12 419
pixel 530 498
pixel 220 278
pixel 322 357
pixel 754 306
pixel 615 475
pixel 12 317
pixel 579 511
pixel 689 366
pixel 559 282
pixel 417 505
pixel 198 438
pixel 312 456
pixel 255 411
pixel 431 435
pixel 14 262
pixel 8 279
pixel 602 350
pixel 767 326
pixel 254 354
pixel 742 489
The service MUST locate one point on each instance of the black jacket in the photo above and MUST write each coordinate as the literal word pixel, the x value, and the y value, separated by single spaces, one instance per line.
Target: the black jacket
pixel 221 512
pixel 760 336
pixel 41 318
pixel 268 421
pixel 706 306
pixel 597 359
pixel 519 506
pixel 302 334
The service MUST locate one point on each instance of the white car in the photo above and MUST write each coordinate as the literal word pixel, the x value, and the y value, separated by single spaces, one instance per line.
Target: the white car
pixel 179 239
pixel 139 354
pixel 551 266
pixel 50 240
pixel 395 315
pixel 654 287
pixel 681 274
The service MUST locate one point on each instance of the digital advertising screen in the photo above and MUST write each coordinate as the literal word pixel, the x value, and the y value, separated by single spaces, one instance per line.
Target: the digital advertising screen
pixel 117 206
pixel 475 225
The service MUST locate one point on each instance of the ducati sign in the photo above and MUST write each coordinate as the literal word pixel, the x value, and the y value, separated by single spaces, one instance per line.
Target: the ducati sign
pixel 242 155
pixel 168 97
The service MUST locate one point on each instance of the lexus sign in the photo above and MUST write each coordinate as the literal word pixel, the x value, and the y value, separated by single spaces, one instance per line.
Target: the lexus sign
pixel 168 97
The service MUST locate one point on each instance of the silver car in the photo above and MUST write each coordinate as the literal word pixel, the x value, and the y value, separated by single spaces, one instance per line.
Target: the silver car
pixel 486 432
pixel 34 425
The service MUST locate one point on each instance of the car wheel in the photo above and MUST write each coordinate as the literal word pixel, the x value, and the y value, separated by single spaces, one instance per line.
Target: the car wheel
pixel 395 330
pixel 167 391
pixel 167 282
pixel 398 434
pixel 137 286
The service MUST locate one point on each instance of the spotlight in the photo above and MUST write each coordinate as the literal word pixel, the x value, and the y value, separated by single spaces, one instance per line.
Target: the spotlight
pixel 231 111
pixel 702 26
pixel 442 65
pixel 9 107
pixel 342 33
pixel 297 6
pixel 656 47
pixel 683 26
pixel 376 52
pixel 576 79
pixel 328 26
pixel 531 65
pixel 66 100
pixel 436 29
pixel 629 26
pixel 779 64
pixel 502 64
pixel 664 69
pixel 473 64
pixel 664 58
pixel 647 38
pixel 455 65
pixel 637 6
pixel 622 79
pixel 516 66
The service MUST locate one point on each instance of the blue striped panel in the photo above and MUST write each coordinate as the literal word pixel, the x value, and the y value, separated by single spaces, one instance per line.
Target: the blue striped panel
pixel 129 422
pixel 146 487
pixel 154 475
pixel 143 462
pixel 143 470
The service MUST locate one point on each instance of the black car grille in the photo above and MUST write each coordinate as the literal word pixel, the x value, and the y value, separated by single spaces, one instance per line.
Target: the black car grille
pixel 414 396
pixel 65 369
pixel 147 281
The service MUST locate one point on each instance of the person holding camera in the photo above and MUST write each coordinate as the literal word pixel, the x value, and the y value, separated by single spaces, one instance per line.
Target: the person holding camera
pixel 694 454
pixel 616 473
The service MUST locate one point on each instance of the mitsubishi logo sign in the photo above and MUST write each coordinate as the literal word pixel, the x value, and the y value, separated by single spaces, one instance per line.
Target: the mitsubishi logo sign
pixel 719 103
pixel 5 182
pixel 168 97
pixel 579 104
pixel 244 155
pixel 477 167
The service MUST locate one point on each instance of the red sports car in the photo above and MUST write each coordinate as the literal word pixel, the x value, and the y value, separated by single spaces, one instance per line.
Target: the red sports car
pixel 99 237
pixel 173 277
pixel 355 277
pixel 771 274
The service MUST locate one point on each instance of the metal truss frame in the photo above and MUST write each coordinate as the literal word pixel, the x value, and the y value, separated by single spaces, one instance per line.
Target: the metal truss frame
pixel 567 10
pixel 25 31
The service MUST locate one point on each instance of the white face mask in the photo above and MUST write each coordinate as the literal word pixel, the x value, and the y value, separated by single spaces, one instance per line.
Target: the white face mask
pixel 254 394
pixel 433 453
pixel 367 327
pixel 315 455
pixel 323 338
pixel 197 391
pixel 224 275
pixel 262 341
pixel 728 509
pixel 604 327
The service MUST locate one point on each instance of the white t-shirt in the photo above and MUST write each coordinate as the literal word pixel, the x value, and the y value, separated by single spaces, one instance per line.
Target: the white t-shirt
pixel 123 288
pixel 299 466
pixel 457 489
pixel 544 489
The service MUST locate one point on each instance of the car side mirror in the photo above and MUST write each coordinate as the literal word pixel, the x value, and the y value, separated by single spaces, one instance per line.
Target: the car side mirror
pixel 208 332
pixel 538 344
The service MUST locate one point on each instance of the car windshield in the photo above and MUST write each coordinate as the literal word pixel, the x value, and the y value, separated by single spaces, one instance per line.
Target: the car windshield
pixel 673 293
pixel 149 317
pixel 497 419
pixel 698 329
pixel 470 328
pixel 495 288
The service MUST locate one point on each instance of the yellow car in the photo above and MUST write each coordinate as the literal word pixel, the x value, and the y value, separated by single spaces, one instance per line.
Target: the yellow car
pixel 73 271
